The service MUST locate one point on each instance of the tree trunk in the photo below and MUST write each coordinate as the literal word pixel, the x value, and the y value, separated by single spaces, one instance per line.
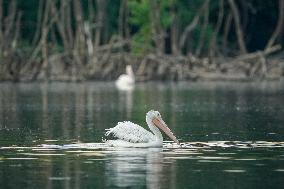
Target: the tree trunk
pixel 191 26
pixel 157 31
pixel 59 21
pixel 279 25
pixel 39 18
pixel 79 36
pixel 203 30
pixel 68 24
pixel 213 46
pixel 239 31
pixel 174 31
pixel 227 28
pixel 121 19
pixel 101 6
pixel 45 66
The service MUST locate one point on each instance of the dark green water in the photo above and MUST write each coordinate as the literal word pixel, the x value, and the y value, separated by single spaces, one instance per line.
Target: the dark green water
pixel 232 135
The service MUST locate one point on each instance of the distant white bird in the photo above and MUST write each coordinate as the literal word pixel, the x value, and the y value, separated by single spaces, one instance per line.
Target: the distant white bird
pixel 132 135
pixel 126 81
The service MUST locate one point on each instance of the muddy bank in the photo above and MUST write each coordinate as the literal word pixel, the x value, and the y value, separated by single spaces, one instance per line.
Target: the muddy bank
pixel 150 67
pixel 108 64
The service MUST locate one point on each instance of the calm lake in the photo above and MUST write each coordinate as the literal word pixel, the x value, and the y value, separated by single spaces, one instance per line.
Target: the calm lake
pixel 232 135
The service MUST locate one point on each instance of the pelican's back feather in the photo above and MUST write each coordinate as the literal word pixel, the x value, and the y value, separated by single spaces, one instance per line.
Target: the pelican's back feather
pixel 131 132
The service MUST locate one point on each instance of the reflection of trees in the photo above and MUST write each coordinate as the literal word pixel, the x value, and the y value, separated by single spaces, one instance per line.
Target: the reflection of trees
pixel 80 107
pixel 8 107
pixel 45 116
pixel 125 103
pixel 60 110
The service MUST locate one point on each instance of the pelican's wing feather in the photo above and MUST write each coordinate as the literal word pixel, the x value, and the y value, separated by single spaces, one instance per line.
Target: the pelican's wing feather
pixel 131 132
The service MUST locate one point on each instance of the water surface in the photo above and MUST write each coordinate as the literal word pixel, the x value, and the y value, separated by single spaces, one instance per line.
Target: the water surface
pixel 232 135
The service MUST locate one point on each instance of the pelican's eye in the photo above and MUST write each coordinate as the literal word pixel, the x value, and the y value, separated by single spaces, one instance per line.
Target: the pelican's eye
pixel 158 114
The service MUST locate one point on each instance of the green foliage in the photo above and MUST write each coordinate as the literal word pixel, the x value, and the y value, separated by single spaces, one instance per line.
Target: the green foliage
pixel 139 12
pixel 261 16
pixel 166 18
pixel 112 10
pixel 185 13
pixel 140 21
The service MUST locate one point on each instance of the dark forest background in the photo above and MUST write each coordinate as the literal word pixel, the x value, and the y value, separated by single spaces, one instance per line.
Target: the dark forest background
pixel 161 39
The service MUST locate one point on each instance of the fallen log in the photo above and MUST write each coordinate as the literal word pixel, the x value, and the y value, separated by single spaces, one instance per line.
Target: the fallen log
pixel 257 54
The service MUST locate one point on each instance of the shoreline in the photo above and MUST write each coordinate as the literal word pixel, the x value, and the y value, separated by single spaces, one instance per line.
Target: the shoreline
pixel 153 67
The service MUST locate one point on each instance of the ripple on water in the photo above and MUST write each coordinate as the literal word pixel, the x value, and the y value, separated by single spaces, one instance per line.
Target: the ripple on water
pixel 92 154
pixel 244 159
pixel 41 154
pixel 50 140
pixel 44 149
pixel 182 152
pixel 97 159
pixel 227 153
pixel 233 144
pixel 201 151
pixel 260 164
pixel 209 161
pixel 213 157
pixel 21 158
pixel 180 157
pixel 279 170
pixel 235 170
pixel 206 146
pixel 59 178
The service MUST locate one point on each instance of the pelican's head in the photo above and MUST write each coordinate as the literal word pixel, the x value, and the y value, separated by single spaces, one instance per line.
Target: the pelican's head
pixel 156 119
pixel 129 70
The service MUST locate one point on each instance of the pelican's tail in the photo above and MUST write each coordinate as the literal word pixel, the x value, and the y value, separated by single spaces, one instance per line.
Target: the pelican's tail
pixel 108 131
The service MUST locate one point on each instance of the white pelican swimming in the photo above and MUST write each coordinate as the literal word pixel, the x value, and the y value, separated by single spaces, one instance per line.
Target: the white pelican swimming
pixel 132 135
pixel 126 81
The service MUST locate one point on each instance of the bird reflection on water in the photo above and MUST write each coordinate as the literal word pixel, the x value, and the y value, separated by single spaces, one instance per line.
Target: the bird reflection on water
pixel 129 167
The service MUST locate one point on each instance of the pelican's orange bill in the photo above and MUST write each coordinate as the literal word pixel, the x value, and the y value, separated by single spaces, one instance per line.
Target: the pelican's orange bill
pixel 165 128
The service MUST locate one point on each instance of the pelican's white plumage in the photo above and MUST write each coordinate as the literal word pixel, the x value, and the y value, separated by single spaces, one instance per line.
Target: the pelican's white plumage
pixel 132 135
pixel 130 132
pixel 126 81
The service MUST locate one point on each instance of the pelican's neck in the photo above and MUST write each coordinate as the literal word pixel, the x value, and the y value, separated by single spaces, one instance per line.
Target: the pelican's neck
pixel 129 71
pixel 154 129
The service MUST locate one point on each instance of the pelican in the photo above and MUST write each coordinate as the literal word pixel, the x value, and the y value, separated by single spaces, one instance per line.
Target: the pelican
pixel 129 134
pixel 126 81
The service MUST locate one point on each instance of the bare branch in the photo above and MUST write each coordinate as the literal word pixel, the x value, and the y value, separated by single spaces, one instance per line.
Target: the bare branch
pixel 157 32
pixel 203 30
pixel 191 26
pixel 227 27
pixel 212 45
pixel 237 21
pixel 279 25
